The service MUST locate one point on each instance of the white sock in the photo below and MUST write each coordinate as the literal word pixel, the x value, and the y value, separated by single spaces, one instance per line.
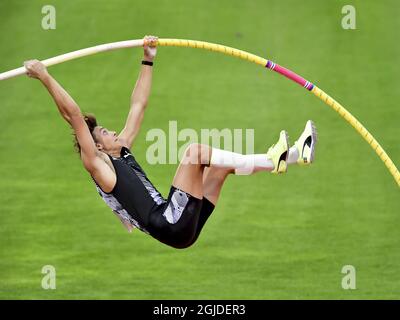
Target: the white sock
pixel 243 164
pixel 293 155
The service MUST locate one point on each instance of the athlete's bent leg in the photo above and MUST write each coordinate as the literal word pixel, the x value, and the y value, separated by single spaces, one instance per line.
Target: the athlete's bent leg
pixel 201 175
pixel 200 182
pixel 189 175
pixel 213 180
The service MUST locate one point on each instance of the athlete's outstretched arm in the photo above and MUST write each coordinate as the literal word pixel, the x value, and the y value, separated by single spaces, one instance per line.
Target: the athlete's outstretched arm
pixel 140 94
pixel 68 109
pixel 66 105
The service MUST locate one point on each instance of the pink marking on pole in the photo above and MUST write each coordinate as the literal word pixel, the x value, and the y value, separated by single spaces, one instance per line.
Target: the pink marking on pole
pixel 290 75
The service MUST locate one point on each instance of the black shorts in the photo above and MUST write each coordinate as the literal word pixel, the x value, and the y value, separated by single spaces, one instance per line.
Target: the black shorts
pixel 180 220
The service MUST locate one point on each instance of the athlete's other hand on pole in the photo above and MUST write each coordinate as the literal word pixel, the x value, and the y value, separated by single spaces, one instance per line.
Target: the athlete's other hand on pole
pixel 35 69
pixel 149 47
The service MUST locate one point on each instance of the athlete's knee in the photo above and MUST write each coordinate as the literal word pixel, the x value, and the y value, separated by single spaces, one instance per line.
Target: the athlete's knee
pixel 198 154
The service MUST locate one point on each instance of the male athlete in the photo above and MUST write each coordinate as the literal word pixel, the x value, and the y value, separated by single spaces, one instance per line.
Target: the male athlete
pixel 124 186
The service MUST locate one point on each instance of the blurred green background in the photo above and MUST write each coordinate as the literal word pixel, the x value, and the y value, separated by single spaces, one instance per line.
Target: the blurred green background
pixel 270 237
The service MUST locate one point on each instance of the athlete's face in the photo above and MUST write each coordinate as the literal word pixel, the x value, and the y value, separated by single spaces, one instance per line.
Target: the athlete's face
pixel 105 139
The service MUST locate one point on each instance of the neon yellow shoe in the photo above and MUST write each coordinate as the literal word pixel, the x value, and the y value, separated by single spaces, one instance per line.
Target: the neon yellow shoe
pixel 306 144
pixel 279 152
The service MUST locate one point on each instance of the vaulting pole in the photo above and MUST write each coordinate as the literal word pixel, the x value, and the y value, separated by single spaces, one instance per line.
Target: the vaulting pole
pixel 346 115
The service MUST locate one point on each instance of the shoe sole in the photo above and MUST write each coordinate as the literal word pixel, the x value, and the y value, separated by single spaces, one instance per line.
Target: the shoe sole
pixel 314 140
pixel 282 163
pixel 307 157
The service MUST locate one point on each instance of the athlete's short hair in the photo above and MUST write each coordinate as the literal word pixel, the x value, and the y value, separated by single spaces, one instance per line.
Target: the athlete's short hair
pixel 91 122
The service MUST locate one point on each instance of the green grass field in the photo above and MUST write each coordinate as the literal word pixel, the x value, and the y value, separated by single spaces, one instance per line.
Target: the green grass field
pixel 270 237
